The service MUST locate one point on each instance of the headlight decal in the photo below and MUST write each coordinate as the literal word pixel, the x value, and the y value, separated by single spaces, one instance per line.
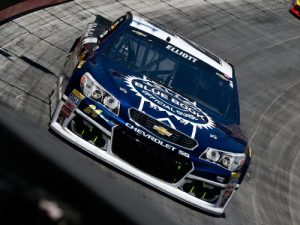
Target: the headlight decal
pixel 227 160
pixel 92 89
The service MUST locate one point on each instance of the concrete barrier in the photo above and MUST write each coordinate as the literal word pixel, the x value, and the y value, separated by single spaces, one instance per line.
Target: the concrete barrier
pixel 25 6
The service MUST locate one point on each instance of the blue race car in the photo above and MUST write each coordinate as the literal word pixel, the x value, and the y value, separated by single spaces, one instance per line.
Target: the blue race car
pixel 157 106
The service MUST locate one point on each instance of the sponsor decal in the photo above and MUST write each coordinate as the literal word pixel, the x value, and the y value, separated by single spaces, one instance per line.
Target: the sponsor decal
pixel 150 137
pixel 166 100
pixel 65 112
pixel 78 94
pixel 91 110
pixel 185 154
pixel 70 105
pixel 181 53
pixel 75 98
pixel 115 25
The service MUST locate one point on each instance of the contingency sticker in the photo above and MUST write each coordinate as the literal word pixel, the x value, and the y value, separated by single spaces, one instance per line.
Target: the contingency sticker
pixel 75 97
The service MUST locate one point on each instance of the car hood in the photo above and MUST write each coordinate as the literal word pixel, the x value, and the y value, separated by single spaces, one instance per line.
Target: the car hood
pixel 169 107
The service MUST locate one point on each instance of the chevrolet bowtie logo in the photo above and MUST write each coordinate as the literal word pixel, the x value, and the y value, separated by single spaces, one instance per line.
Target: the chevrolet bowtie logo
pixel 162 131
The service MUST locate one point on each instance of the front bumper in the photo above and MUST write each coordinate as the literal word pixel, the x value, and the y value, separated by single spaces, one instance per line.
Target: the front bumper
pixel 183 188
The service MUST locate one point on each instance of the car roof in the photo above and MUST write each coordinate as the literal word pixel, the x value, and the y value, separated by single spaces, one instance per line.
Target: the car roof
pixel 182 43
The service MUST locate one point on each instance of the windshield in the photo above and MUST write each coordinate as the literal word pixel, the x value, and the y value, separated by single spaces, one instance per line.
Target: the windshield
pixel 138 53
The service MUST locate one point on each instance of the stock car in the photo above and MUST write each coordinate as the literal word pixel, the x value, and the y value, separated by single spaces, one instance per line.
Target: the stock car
pixel 159 107
pixel 295 8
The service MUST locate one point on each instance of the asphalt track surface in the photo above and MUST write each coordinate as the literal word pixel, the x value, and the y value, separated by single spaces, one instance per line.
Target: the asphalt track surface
pixel 260 37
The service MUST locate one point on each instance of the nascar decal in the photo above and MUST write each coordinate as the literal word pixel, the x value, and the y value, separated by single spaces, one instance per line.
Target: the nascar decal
pixel 164 99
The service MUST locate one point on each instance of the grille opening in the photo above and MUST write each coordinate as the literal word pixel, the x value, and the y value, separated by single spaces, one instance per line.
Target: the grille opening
pixel 201 190
pixel 87 131
pixel 149 157
pixel 148 123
